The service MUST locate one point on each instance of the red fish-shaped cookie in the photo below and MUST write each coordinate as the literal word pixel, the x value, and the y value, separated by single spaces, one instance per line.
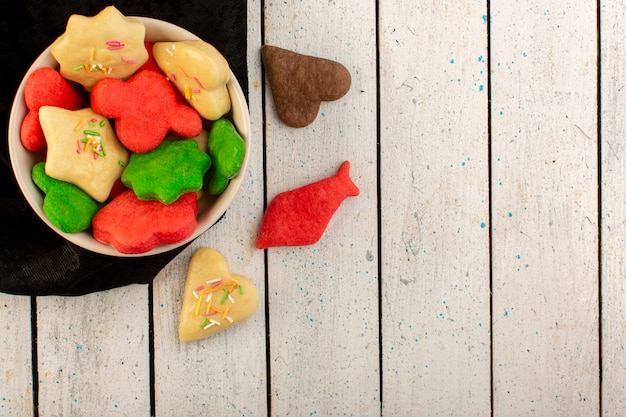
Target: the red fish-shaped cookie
pixel 300 216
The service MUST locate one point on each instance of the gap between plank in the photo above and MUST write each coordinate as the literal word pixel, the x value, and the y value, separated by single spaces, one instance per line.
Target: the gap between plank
pixel 268 366
pixel 152 376
pixel 599 188
pixel 490 214
pixel 379 214
pixel 34 356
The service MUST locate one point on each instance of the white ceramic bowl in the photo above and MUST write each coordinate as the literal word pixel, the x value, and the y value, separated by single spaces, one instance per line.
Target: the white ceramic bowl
pixel 210 209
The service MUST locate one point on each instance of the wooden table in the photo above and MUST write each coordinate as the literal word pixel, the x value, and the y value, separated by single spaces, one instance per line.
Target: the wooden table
pixel 480 271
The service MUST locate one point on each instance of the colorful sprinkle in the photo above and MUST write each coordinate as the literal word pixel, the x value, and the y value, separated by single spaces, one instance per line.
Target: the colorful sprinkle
pixel 198 304
pixel 208 308
pixel 224 297
pixel 114 45
pixel 129 61
pixel 91 133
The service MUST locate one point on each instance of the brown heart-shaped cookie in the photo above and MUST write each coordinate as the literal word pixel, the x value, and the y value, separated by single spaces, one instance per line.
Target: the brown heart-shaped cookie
pixel 299 83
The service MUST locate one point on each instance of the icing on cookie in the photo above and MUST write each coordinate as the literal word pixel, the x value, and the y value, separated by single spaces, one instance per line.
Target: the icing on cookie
pixel 214 298
pixel 199 72
pixel 108 44
pixel 82 149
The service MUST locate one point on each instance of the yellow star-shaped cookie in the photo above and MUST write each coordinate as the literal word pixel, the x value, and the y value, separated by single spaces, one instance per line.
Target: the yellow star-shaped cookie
pixel 108 44
pixel 82 150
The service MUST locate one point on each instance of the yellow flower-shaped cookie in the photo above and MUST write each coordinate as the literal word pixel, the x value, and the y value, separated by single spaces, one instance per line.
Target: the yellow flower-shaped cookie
pixel 108 44
pixel 82 150
pixel 199 72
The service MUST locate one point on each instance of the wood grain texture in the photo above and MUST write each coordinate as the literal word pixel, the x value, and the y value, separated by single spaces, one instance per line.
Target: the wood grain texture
pixel 16 386
pixel 323 298
pixel 613 285
pixel 545 208
pixel 499 282
pixel 224 374
pixel 93 353
pixel 435 209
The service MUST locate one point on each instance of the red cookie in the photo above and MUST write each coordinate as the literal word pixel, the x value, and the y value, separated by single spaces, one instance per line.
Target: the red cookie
pixel 145 110
pixel 134 226
pixel 45 87
pixel 151 62
pixel 299 217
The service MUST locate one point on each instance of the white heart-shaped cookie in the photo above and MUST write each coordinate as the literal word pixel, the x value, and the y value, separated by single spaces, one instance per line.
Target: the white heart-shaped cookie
pixel 214 298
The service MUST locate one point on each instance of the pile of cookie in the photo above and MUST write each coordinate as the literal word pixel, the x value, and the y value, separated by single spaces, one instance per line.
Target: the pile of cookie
pixel 133 132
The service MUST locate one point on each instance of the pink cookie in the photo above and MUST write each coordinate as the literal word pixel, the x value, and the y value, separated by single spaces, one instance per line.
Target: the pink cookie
pixel 134 226
pixel 45 87
pixel 145 110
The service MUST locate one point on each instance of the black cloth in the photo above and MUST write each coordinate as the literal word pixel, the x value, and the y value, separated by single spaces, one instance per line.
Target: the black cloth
pixel 35 260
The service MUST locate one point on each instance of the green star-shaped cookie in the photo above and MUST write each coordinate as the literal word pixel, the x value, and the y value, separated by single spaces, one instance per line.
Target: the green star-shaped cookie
pixel 167 172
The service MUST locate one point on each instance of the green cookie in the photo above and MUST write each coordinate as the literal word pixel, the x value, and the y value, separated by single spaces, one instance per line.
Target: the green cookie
pixel 170 170
pixel 214 183
pixel 66 206
pixel 227 148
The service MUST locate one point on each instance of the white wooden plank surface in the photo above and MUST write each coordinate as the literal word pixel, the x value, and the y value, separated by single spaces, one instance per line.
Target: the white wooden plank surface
pixel 16 386
pixel 435 208
pixel 545 208
pixel 441 351
pixel 323 298
pixel 226 373
pixel 613 285
pixel 93 353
